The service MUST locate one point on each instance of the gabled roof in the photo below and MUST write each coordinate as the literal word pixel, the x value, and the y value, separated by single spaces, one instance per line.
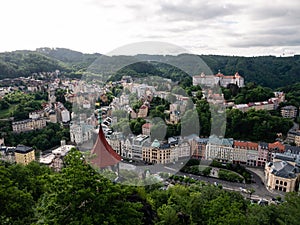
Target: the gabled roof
pixel 276 146
pixel 144 107
pixel 104 154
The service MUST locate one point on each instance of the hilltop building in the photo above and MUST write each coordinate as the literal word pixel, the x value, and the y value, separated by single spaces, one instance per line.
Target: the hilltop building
pixel 218 79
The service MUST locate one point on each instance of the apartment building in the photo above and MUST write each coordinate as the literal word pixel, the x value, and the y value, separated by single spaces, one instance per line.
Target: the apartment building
pixel 24 155
pixel 28 125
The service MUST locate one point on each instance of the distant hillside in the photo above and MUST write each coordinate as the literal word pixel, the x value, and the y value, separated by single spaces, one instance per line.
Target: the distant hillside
pixel 23 63
pixel 267 71
pixel 75 59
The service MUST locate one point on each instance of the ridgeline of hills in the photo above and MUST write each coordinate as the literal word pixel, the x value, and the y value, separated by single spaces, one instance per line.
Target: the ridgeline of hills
pixel 267 71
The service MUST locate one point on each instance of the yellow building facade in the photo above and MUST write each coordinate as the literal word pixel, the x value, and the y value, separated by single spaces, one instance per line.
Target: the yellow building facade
pixel 24 155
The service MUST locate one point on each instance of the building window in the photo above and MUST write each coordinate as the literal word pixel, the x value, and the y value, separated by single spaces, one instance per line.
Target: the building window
pixel 284 189
pixel 281 182
pixel 276 187
pixel 285 183
pixel 280 188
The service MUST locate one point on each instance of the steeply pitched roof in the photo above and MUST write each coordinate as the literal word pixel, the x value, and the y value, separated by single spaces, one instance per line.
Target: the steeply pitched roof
pixel 104 154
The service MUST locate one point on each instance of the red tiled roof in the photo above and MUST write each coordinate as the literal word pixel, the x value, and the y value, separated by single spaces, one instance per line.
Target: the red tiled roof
pixel 277 145
pixel 246 145
pixel 104 154
pixel 147 125
pixel 144 107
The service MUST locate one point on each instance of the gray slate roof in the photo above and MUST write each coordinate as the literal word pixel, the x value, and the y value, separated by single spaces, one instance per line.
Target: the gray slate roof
pixel 23 149
pixel 284 169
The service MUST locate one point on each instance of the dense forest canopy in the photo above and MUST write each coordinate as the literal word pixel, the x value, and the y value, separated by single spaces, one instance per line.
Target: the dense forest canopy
pixel 269 71
pixel 34 194
pixel 24 63
pixel 74 59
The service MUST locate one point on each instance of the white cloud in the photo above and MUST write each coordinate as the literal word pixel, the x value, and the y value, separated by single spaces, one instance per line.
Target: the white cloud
pixel 203 27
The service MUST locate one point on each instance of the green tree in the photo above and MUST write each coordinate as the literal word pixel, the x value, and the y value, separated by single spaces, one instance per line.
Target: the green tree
pixel 80 195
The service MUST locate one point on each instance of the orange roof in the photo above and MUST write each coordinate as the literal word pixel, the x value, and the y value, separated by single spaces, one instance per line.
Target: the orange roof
pixel 246 144
pixel 277 145
pixel 147 125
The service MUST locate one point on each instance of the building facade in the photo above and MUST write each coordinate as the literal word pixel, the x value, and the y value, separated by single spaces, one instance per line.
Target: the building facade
pixel 28 125
pixel 81 133
pixel 218 79
pixel 281 176
pixel 137 145
pixel 289 111
pixel 158 153
pixel 219 149
pixel 146 129
pixel 24 155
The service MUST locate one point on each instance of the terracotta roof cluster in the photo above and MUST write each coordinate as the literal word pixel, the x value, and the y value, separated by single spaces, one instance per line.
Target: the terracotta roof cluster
pixel 246 145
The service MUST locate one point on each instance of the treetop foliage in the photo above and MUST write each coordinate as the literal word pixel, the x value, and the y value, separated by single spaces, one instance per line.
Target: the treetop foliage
pixel 34 194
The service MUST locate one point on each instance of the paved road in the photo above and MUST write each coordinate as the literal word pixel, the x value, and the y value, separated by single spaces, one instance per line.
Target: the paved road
pixel 257 176
pixel 260 189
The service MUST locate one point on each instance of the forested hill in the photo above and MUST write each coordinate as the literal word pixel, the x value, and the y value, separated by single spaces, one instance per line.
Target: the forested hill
pixel 267 71
pixel 74 59
pixel 24 63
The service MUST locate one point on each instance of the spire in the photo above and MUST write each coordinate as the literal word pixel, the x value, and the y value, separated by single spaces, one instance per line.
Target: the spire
pixel 104 153
pixel 99 116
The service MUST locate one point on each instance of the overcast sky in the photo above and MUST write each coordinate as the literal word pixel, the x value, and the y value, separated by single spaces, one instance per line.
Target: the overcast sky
pixel 233 27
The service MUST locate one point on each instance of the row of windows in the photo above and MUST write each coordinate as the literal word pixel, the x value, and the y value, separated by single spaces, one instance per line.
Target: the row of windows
pixel 280 188
pixel 281 182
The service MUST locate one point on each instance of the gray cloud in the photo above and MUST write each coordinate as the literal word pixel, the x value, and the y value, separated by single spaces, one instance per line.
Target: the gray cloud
pixel 283 10
pixel 199 10
pixel 265 41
